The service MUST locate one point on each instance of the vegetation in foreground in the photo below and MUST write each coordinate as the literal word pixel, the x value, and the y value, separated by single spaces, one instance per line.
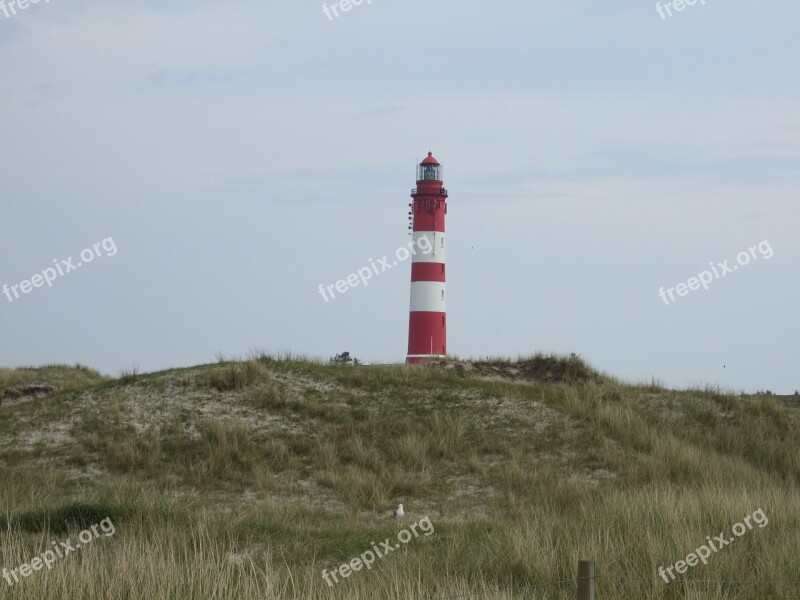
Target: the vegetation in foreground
pixel 246 479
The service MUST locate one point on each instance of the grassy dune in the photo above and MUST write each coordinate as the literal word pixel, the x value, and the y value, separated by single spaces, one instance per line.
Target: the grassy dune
pixel 18 384
pixel 247 479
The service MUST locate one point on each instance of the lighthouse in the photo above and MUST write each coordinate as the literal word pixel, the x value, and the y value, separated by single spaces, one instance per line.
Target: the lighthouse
pixel 427 323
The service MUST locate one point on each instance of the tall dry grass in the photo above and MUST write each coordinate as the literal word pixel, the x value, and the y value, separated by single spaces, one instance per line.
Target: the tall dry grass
pixel 245 480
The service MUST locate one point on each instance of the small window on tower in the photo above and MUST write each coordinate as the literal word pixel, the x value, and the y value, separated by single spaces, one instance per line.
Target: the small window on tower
pixel 442 294
pixel 442 241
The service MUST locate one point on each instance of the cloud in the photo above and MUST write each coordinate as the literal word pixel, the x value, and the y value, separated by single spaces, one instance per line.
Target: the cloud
pixel 194 78
pixel 379 111
pixel 683 161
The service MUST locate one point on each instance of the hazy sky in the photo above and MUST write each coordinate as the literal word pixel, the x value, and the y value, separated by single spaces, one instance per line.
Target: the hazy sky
pixel 241 154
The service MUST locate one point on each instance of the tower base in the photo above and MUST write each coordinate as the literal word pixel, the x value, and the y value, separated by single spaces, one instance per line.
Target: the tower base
pixel 417 358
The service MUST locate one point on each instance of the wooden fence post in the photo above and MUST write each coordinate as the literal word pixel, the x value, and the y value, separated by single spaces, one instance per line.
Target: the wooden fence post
pixel 586 578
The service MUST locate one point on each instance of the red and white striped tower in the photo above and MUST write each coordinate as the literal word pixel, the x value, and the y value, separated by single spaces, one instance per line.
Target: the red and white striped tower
pixel 427 325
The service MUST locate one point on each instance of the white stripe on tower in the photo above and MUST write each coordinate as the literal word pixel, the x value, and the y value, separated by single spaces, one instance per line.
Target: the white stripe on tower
pixel 433 240
pixel 428 296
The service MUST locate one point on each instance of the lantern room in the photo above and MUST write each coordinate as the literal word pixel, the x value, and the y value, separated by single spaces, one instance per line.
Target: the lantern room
pixel 429 169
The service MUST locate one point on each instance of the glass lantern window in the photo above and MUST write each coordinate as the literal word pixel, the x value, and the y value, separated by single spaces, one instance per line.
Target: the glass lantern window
pixel 429 173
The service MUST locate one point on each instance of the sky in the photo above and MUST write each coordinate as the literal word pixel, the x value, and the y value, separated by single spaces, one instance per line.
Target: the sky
pixel 217 162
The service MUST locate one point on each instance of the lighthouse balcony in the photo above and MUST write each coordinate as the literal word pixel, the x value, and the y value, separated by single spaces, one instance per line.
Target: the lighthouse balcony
pixel 441 192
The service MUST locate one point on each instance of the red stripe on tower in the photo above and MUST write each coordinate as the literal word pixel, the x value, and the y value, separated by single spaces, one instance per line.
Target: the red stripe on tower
pixel 427 324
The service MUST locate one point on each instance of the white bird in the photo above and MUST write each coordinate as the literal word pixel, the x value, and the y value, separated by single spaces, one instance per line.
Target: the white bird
pixel 399 512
